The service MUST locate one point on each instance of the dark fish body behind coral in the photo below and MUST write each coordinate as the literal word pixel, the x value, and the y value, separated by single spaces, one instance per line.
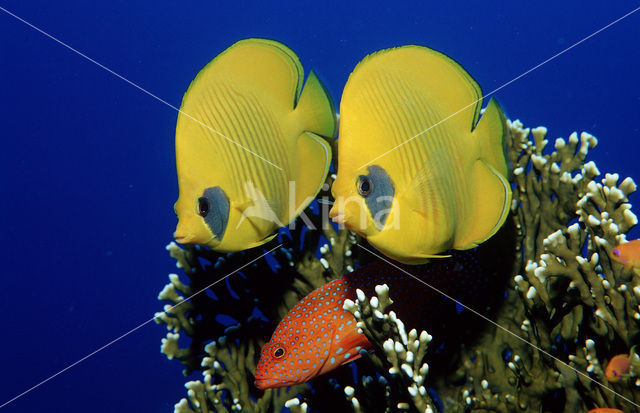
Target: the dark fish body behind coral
pixel 318 334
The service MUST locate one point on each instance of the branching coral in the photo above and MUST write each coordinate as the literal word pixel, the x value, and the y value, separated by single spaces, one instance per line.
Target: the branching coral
pixel 220 319
pixel 565 290
pixel 567 309
pixel 403 368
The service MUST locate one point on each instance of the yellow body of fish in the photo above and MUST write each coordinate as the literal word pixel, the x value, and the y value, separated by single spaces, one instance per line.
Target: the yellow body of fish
pixel 418 174
pixel 248 152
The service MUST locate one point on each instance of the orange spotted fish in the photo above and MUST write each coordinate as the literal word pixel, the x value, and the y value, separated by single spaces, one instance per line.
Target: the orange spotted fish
pixel 627 254
pixel 605 410
pixel 318 335
pixel 620 366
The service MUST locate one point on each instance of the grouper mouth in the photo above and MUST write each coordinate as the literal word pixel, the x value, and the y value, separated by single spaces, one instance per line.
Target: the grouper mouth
pixel 264 383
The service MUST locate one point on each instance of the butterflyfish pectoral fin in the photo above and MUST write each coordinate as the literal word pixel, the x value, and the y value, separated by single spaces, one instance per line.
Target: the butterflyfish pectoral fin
pixel 262 214
pixel 422 195
pixel 312 165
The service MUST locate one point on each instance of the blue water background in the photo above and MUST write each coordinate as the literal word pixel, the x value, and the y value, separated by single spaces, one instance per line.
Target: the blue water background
pixel 87 161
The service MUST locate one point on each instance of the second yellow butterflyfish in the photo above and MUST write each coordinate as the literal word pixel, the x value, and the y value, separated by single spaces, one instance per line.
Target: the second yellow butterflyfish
pixel 418 173
pixel 251 152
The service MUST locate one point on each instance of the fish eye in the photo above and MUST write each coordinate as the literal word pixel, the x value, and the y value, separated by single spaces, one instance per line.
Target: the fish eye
pixel 203 206
pixel 616 252
pixel 364 186
pixel 278 352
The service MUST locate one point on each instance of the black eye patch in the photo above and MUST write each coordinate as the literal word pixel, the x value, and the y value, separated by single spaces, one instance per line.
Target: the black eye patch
pixel 380 193
pixel 213 206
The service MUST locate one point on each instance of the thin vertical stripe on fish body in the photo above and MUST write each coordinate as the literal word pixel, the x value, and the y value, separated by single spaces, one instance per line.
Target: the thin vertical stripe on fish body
pixel 413 114
pixel 247 128
pixel 318 335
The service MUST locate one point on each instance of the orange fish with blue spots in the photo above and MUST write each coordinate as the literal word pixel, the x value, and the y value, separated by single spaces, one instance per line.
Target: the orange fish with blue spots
pixel 318 335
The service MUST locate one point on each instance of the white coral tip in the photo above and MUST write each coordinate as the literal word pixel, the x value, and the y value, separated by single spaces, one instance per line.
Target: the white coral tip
pixel 349 391
pixel 532 293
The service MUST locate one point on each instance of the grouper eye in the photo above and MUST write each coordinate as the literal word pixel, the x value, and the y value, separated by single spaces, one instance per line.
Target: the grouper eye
pixel 278 352
pixel 616 252
pixel 364 186
pixel 203 206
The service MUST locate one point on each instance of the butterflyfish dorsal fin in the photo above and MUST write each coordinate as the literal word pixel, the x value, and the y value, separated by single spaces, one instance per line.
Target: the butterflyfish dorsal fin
pixel 268 69
pixel 454 92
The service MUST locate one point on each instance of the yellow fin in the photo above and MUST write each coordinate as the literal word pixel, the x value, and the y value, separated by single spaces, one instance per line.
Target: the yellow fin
pixel 490 134
pixel 266 67
pixel 490 206
pixel 317 109
pixel 468 91
pixel 282 48
pixel 450 88
pixel 262 241
pixel 312 165
pixel 419 259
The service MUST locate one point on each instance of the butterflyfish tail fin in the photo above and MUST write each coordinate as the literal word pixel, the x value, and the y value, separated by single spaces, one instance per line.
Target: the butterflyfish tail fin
pixel 490 135
pixel 316 107
pixel 491 191
pixel 490 208
pixel 311 166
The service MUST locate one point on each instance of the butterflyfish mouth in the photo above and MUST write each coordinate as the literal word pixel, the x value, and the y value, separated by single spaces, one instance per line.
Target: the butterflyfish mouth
pixel 181 238
pixel 336 214
pixel 338 219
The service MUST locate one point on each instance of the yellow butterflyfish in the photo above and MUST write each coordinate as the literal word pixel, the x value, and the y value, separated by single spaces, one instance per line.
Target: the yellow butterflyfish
pixel 251 152
pixel 418 173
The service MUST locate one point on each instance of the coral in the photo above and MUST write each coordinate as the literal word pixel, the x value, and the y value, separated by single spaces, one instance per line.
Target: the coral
pixel 403 368
pixel 218 321
pixel 566 298
pixel 565 311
